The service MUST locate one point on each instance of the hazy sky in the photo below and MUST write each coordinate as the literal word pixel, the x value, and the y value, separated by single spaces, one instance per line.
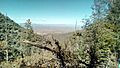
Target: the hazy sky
pixel 47 11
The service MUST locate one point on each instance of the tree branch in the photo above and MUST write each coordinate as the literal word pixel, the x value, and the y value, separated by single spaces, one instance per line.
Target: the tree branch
pixel 39 46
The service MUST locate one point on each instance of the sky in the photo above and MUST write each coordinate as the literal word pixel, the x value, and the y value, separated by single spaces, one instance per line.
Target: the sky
pixel 47 11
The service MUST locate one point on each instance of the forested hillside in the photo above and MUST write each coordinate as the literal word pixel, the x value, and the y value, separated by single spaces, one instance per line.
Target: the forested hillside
pixel 96 45
pixel 9 36
pixel 12 36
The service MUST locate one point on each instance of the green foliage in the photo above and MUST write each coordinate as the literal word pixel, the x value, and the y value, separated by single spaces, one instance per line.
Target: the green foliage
pixel 97 45
pixel 114 18
pixel 9 36
pixel 99 41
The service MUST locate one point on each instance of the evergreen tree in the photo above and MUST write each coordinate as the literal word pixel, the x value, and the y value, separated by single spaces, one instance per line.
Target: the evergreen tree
pixel 114 18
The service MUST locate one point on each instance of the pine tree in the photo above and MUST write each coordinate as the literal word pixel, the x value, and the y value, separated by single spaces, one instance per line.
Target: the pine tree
pixel 114 18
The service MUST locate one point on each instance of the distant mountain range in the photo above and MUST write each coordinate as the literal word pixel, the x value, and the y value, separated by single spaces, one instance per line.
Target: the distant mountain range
pixel 53 28
pixel 44 29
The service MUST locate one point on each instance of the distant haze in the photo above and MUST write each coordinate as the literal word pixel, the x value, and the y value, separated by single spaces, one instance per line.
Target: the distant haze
pixel 44 29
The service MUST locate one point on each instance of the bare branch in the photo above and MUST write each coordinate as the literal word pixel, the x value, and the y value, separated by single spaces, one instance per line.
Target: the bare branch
pixel 39 46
